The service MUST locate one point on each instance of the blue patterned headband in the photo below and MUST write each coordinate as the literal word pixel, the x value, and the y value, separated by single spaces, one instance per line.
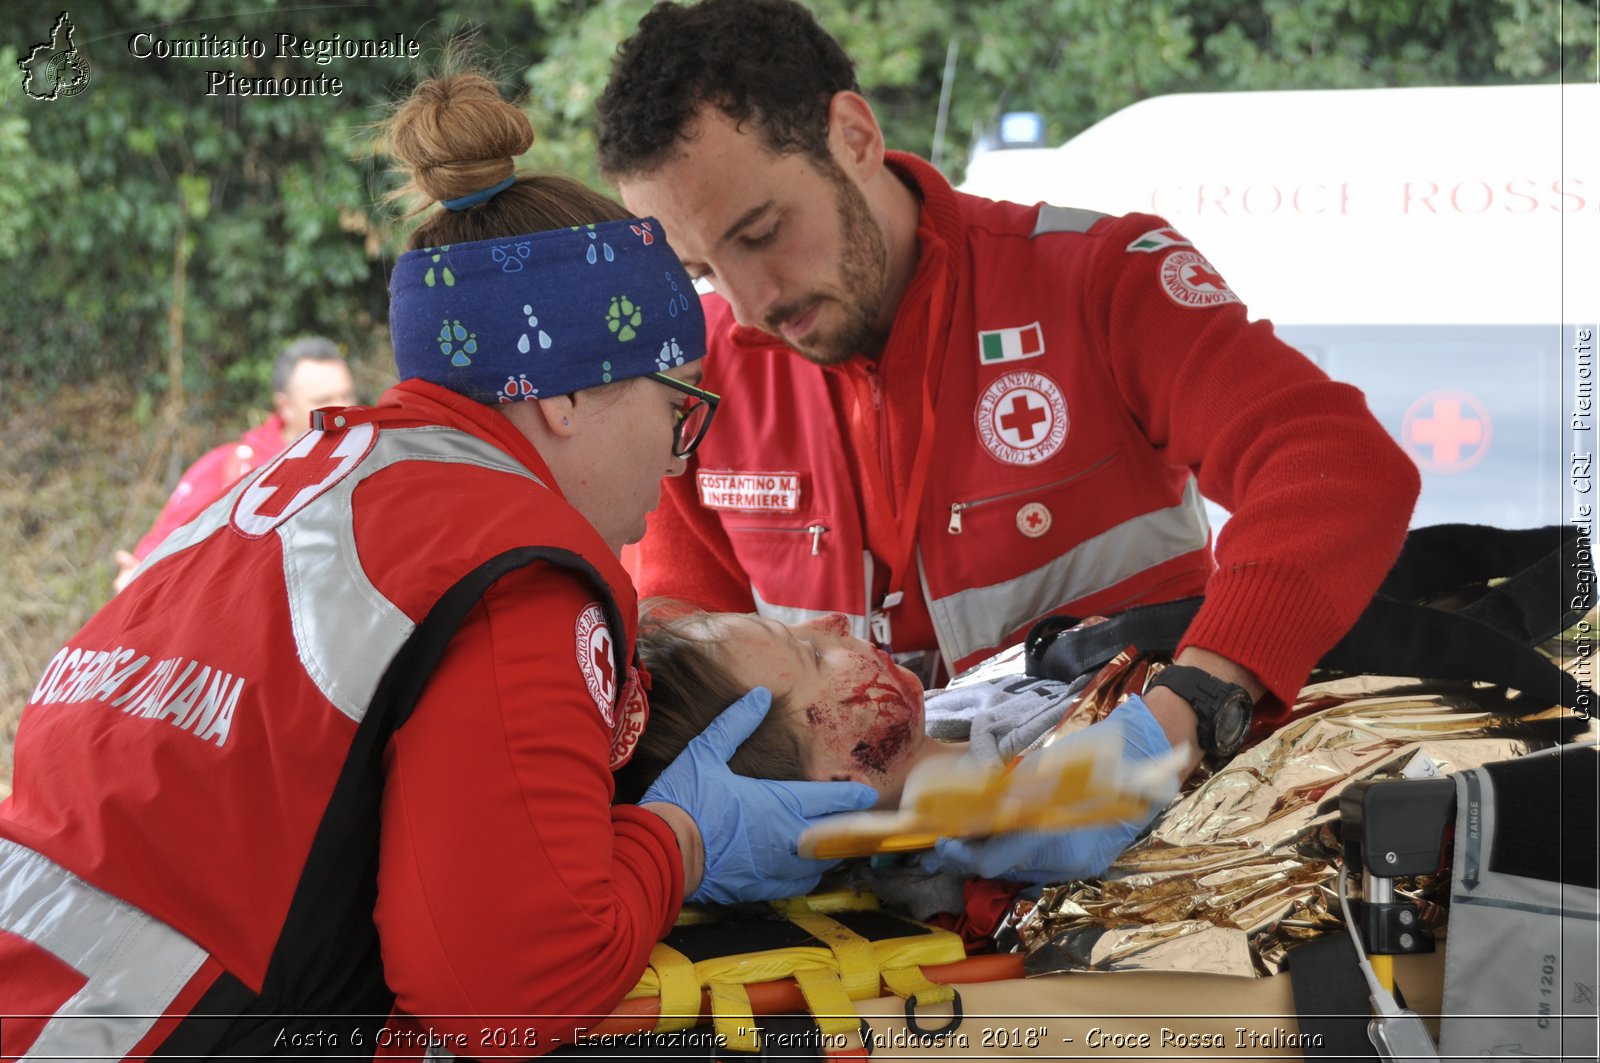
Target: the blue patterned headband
pixel 544 314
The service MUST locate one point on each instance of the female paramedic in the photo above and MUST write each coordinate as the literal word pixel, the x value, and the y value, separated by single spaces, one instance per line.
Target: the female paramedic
pixel 344 745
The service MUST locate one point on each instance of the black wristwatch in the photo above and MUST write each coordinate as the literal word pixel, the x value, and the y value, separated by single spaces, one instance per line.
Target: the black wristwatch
pixel 1223 709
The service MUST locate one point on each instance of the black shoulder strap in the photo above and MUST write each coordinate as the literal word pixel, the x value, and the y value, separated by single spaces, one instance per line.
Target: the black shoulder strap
pixel 1486 641
pixel 1546 567
pixel 1330 998
pixel 328 936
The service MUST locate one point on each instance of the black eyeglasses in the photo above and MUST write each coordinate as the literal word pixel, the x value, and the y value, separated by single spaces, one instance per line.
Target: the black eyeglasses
pixel 693 417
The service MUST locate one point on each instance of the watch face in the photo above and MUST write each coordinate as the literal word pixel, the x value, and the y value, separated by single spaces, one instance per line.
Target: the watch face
pixel 1232 722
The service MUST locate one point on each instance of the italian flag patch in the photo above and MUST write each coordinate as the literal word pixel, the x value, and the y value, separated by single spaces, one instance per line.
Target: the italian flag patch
pixel 1010 344
pixel 1157 239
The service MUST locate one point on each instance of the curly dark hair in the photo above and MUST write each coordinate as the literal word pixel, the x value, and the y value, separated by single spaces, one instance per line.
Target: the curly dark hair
pixel 761 61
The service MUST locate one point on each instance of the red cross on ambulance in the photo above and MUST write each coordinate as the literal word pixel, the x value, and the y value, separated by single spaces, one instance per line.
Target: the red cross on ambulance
pixel 1446 431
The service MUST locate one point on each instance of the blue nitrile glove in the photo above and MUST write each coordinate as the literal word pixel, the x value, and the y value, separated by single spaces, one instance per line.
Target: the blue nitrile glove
pixel 1061 856
pixel 749 826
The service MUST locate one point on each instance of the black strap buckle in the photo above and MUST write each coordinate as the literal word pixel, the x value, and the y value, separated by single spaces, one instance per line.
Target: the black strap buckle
pixel 956 1014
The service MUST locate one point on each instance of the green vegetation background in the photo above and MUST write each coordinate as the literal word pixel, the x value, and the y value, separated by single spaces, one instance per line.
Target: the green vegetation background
pixel 159 245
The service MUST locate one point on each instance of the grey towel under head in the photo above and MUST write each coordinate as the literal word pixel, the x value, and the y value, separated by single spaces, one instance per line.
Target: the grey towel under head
pixel 1001 718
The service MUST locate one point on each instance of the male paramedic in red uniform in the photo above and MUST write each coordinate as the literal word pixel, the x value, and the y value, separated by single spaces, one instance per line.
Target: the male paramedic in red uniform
pixel 957 416
pixel 308 375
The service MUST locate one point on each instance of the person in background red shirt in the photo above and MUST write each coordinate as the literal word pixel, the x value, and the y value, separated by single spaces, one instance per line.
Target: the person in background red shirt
pixel 309 374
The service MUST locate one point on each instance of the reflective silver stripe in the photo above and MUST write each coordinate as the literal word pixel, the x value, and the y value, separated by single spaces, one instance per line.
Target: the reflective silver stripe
pixel 346 631
pixel 134 966
pixel 979 617
pixel 789 614
pixel 1063 220
pixel 440 443
pixel 467 449
pixel 347 639
pixel 199 527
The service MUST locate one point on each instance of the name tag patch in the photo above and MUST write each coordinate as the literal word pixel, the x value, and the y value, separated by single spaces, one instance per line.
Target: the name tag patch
pixel 749 492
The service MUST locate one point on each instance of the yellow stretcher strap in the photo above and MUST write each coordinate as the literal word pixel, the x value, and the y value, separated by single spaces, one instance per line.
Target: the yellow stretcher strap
pixel 837 965
pixel 858 961
pixel 913 985
pixel 679 989
pixel 732 1017
pixel 829 1006
pixel 848 900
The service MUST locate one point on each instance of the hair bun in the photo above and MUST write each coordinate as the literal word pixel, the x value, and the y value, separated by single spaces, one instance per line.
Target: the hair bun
pixel 456 135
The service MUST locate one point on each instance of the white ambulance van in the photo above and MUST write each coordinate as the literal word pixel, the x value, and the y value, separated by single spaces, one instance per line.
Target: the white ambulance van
pixel 1437 247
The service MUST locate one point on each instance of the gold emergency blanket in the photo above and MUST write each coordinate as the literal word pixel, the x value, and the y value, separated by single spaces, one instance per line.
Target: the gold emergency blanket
pixel 1243 865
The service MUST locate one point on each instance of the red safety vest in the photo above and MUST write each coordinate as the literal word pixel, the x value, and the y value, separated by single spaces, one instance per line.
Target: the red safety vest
pixel 194 824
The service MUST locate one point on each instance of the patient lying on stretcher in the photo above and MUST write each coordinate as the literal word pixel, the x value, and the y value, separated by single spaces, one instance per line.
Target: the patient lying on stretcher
pixel 842 710
pixel 996 806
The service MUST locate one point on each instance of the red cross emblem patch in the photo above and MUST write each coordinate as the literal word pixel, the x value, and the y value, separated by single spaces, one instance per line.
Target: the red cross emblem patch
pixel 1189 280
pixel 630 722
pixel 312 464
pixel 597 661
pixel 1033 519
pixel 1446 431
pixel 1022 418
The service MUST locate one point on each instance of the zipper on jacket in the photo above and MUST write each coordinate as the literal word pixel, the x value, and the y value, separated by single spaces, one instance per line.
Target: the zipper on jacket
pixel 816 531
pixel 875 389
pixel 958 508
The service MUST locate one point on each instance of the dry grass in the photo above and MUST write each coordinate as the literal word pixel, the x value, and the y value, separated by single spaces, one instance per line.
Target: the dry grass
pixel 79 478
